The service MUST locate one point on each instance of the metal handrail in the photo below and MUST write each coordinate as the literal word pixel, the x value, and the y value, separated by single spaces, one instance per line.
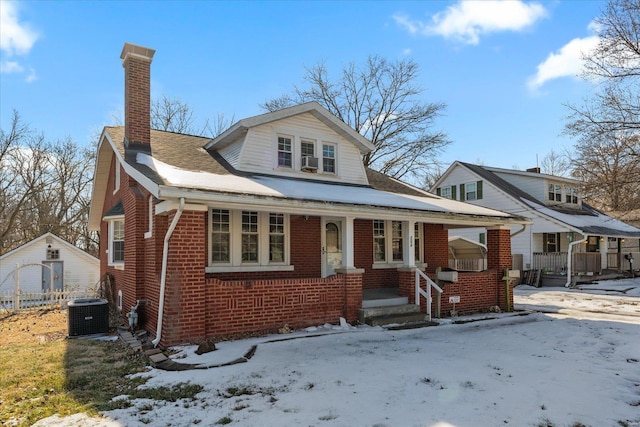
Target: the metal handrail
pixel 426 294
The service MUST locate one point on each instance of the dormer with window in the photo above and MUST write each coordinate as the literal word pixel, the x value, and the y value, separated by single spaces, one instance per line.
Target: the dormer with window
pixel 562 194
pixel 305 141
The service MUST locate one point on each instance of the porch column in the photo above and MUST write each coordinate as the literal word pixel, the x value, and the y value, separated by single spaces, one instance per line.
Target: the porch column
pixel 499 258
pixel 604 250
pixel 408 249
pixel 348 245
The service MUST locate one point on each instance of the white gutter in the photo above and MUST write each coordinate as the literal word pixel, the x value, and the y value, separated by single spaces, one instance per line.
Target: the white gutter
pixel 524 227
pixel 163 277
pixel 569 257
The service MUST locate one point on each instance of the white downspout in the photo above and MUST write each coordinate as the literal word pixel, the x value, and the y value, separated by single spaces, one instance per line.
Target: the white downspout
pixel 524 227
pixel 163 277
pixel 569 258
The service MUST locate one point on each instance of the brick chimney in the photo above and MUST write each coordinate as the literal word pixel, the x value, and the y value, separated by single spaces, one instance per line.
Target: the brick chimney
pixel 136 61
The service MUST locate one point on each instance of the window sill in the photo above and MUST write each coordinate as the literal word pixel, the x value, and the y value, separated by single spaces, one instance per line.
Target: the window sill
pixel 247 268
pixel 382 266
pixel 118 266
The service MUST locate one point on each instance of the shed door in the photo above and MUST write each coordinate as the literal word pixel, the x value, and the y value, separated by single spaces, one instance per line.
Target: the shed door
pixel 57 275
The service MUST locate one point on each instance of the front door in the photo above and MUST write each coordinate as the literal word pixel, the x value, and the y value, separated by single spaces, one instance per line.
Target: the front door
pixel 331 247
pixel 56 266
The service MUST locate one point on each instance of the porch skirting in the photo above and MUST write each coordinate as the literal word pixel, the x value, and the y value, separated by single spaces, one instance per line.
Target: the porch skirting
pixel 254 306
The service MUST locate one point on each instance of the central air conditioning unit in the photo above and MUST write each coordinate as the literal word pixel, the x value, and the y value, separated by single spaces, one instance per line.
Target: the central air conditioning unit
pixel 309 163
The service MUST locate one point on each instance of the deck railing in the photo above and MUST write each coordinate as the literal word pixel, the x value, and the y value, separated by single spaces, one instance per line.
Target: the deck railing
pixel 556 262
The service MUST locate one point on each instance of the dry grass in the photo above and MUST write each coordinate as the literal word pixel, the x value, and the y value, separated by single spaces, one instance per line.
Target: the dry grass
pixel 44 373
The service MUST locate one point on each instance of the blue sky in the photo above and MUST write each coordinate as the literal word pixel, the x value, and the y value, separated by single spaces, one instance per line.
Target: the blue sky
pixel 504 69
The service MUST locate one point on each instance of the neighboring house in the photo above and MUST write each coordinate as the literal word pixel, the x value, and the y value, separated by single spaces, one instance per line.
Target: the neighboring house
pixel 567 235
pixel 275 221
pixel 48 263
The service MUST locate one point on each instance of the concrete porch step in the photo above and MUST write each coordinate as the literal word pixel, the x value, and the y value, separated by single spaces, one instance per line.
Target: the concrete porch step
pixel 401 313
pixel 399 319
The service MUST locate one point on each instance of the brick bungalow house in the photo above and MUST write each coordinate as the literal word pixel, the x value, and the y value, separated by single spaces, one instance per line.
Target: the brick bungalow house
pixel 275 221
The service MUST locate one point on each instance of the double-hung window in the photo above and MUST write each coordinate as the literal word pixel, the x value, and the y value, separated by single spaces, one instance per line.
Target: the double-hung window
pixel 551 242
pixel 247 239
pixel 249 236
pixel 571 195
pixel 396 241
pixel 307 148
pixel 379 245
pixel 555 193
pixel 220 236
pixel 417 241
pixel 328 158
pixel 388 242
pixel 447 192
pixel 285 152
pixel 116 241
pixel 276 237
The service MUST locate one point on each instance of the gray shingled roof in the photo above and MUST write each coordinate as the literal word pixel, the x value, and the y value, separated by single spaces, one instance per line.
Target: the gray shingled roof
pixel 608 226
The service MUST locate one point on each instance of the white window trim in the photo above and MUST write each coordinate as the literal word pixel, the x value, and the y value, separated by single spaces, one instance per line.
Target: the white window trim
pixel 445 188
pixel 293 152
pixel 388 250
pixel 149 232
pixel 335 158
pixel 466 191
pixel 420 238
pixel 110 261
pixel 116 178
pixel 235 243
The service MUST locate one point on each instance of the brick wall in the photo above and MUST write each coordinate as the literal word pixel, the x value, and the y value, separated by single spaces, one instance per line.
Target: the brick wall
pixel 242 306
pixel 436 247
pixel 184 309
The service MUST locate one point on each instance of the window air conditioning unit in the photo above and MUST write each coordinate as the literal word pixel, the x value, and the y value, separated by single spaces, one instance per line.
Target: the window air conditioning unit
pixel 309 163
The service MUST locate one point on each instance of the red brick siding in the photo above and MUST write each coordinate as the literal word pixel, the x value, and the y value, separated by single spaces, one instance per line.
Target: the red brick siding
pixel 265 305
pixel 137 104
pixel 184 309
pixel 436 247
pixel 478 292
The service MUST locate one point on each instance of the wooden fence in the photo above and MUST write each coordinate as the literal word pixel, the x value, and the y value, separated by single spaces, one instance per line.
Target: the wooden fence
pixel 15 301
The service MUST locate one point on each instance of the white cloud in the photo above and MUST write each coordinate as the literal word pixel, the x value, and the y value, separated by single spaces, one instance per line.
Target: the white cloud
pixel 8 67
pixel 566 62
pixel 468 20
pixel 16 38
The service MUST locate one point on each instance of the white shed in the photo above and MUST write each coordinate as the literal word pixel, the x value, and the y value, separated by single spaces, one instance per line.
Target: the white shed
pixel 72 269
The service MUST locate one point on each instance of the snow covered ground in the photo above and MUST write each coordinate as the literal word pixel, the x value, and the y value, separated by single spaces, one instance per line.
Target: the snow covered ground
pixel 573 361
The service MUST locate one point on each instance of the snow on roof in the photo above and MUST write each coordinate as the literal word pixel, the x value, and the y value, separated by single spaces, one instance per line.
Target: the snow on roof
pixel 308 190
pixel 597 223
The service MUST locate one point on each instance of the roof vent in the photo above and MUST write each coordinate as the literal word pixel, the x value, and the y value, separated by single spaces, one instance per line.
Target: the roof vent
pixel 534 170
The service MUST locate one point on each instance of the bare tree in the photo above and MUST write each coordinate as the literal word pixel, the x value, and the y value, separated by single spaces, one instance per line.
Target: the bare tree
pixel 555 164
pixel 607 125
pixel 172 115
pixel 43 187
pixel 382 101
pixel 610 175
